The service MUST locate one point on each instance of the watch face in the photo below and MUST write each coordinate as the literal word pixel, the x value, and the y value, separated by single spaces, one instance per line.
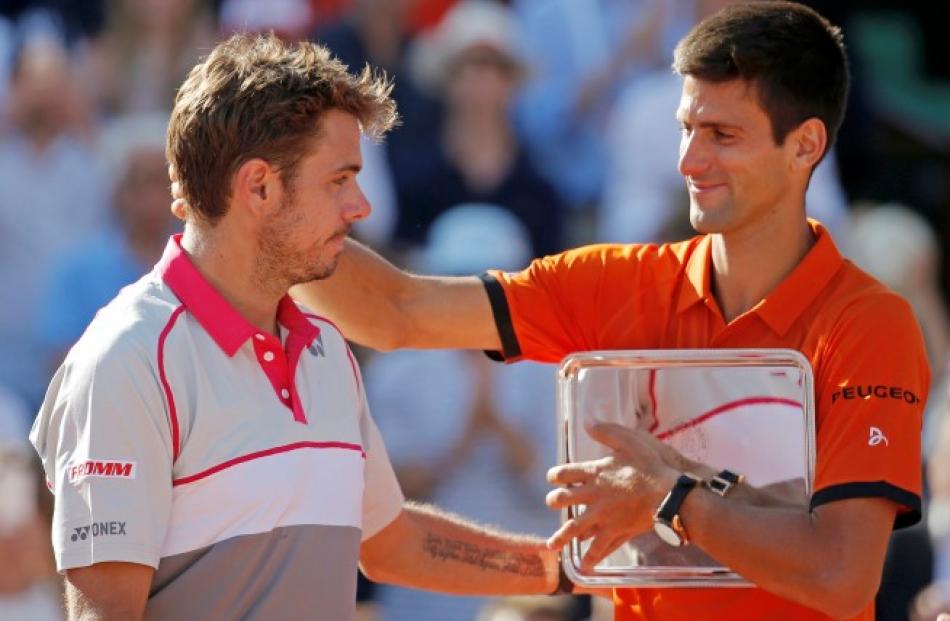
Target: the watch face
pixel 665 532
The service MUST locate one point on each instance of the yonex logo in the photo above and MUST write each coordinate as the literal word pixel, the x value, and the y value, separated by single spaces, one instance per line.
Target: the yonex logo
pixel 97 529
pixel 102 468
pixel 876 436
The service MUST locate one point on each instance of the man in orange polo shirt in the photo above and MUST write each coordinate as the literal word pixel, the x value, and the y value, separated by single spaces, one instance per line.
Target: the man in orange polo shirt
pixel 764 88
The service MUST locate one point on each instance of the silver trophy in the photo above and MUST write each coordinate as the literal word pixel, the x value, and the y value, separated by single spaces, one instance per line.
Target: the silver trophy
pixel 750 411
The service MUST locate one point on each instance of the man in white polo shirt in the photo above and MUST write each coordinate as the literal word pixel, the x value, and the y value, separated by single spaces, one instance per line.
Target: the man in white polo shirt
pixel 208 441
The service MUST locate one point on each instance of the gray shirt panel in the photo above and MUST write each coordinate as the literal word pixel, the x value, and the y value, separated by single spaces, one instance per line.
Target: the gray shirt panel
pixel 292 572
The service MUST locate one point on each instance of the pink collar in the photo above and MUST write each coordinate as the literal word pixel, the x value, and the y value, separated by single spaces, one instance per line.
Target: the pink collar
pixel 227 327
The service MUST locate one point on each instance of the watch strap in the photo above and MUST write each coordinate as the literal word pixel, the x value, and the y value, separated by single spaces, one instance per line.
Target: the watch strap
pixel 670 507
pixel 722 482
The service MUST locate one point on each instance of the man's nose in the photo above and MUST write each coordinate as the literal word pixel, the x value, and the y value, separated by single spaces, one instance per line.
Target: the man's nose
pixel 694 158
pixel 358 208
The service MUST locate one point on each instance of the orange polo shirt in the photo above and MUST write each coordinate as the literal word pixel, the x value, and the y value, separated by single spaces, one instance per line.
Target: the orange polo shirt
pixel 862 340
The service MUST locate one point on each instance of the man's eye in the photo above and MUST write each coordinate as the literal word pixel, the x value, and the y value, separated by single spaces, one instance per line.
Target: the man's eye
pixel 722 135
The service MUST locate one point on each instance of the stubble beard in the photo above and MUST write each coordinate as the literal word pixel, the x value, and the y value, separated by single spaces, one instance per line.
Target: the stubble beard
pixel 279 266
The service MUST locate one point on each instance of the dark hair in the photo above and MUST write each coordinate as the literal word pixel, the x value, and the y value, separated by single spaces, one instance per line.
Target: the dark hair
pixel 792 56
pixel 259 97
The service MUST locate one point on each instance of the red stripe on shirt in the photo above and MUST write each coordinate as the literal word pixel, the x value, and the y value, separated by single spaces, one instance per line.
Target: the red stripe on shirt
pixel 266 453
pixel 172 413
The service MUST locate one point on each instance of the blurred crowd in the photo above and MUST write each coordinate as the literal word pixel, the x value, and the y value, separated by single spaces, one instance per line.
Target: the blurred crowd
pixel 527 126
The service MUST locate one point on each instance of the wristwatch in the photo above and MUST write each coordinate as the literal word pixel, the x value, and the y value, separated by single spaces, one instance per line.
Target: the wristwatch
pixel 723 482
pixel 666 521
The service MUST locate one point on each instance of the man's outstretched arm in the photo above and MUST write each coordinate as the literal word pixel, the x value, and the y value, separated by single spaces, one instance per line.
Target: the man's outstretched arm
pixel 378 305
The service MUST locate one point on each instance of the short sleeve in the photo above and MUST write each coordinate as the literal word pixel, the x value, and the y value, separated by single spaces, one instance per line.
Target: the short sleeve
pixel 382 496
pixel 605 296
pixel 871 388
pixel 103 437
pixel 550 308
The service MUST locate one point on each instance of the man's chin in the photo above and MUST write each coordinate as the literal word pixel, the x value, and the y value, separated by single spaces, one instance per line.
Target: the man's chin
pixel 707 220
pixel 321 273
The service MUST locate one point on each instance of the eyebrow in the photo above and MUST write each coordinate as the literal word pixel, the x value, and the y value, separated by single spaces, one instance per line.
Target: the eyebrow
pixel 708 124
pixel 353 168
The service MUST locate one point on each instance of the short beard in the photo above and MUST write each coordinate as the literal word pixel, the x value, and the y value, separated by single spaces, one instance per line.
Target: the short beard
pixel 278 266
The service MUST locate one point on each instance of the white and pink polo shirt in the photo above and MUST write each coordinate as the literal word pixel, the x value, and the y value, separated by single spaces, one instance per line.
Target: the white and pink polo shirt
pixel 244 467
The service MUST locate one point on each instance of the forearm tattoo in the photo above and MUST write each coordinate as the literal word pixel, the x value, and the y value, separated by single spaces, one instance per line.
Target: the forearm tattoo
pixel 517 563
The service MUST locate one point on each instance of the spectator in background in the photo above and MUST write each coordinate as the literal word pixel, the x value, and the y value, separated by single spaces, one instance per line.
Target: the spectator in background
pixel 85 278
pixel 471 61
pixel 27 587
pixel 898 246
pixel 73 22
pixel 289 19
pixel 145 51
pixel 580 54
pixel 462 432
pixel 426 14
pixel 372 31
pixel 645 198
pixel 53 196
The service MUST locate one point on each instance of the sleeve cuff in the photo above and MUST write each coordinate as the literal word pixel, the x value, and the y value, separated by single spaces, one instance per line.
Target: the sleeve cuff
pixel 105 553
pixel 510 349
pixel 909 501
pixel 382 517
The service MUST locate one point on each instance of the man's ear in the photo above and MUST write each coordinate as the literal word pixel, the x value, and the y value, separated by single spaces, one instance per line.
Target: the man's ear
pixel 256 185
pixel 179 206
pixel 808 143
